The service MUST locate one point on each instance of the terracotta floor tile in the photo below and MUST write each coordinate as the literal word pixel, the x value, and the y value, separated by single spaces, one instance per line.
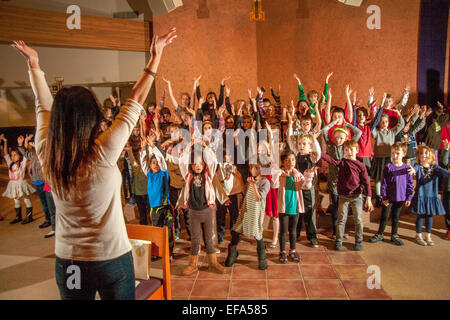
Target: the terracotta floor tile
pixel 283 272
pixel 352 272
pixel 287 298
pixel 206 298
pixel 314 258
pixel 248 298
pixel 181 287
pixel 357 289
pixel 305 246
pixel 287 288
pixel 249 271
pixel 179 298
pixel 248 288
pixel 345 258
pixel 318 271
pixel 205 274
pixel 177 269
pixel 211 289
pixel 325 289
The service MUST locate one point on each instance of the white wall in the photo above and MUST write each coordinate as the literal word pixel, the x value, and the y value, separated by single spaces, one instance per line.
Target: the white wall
pixel 77 66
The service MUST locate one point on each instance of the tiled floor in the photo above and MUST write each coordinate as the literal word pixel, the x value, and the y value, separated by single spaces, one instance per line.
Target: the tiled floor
pixel 322 274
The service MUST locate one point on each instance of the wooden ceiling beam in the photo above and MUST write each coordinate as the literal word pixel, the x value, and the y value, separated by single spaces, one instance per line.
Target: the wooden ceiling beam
pixel 49 28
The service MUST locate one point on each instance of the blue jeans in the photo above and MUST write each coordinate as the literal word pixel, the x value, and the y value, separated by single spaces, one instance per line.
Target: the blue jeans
pixel 51 208
pixel 41 193
pixel 428 223
pixel 114 279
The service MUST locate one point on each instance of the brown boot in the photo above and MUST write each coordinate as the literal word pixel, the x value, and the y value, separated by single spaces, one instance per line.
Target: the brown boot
pixel 213 265
pixel 192 266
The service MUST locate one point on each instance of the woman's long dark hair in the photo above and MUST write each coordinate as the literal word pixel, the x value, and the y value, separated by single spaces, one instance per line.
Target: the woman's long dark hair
pixel 70 151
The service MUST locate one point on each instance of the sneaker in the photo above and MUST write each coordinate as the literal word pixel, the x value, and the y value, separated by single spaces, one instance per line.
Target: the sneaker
pixel 131 202
pixel 358 246
pixel 50 234
pixel 429 242
pixel 420 241
pixel 45 224
pixel 377 238
pixel 177 237
pixel 219 240
pixel 217 250
pixel 338 246
pixel 314 243
pixel 333 236
pixel 395 239
pixel 345 235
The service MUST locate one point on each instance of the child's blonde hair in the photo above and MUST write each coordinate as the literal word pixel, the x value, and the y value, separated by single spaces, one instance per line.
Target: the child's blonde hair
pixel 431 156
pixel 306 136
pixel 400 146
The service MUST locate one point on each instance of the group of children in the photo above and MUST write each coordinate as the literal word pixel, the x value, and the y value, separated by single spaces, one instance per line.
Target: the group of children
pixel 257 158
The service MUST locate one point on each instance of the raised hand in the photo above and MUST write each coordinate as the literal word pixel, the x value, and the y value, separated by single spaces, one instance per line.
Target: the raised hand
pixel 429 111
pixel 2 137
pixel 371 91
pixel 227 91
pixel 328 77
pixel 407 87
pixel 440 105
pixel 201 101
pixel 224 79
pixel 260 92
pixel 29 53
pixel 384 99
pixel 165 80
pixel 297 78
pixel 348 90
pixel 250 93
pixel 159 43
pixel 28 137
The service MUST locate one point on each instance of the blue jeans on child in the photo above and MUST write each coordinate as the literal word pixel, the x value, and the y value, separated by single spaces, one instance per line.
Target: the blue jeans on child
pixel 41 193
pixel 113 279
pixel 428 223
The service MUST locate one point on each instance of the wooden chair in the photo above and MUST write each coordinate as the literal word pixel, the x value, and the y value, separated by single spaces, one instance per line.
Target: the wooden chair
pixel 154 288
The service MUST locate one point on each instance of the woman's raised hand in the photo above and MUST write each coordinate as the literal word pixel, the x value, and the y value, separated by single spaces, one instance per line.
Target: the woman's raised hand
pixel 29 53
pixel 159 43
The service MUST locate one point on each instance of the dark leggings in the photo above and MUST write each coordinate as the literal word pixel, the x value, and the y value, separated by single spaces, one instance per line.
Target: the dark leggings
pixel 143 208
pixel 428 223
pixel 396 209
pixel 236 236
pixel 309 217
pixel 174 193
pixel 288 223
pixel 221 215
pixel 334 211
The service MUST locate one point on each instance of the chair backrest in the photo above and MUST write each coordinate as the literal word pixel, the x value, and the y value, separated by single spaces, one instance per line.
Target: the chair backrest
pixel 160 247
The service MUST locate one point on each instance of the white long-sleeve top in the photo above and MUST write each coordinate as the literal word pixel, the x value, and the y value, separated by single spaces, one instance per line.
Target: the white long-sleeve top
pixel 90 227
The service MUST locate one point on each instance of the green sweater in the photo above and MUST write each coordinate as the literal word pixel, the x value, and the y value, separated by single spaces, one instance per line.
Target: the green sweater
pixel 302 96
